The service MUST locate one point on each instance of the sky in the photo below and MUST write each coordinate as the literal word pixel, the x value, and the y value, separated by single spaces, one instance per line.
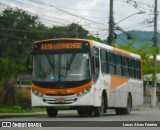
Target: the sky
pixel 93 15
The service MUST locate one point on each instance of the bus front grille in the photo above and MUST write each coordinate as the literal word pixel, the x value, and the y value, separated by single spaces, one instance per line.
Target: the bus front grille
pixel 51 100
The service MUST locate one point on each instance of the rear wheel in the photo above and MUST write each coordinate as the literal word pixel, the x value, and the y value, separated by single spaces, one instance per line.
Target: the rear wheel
pixel 127 110
pixel 51 112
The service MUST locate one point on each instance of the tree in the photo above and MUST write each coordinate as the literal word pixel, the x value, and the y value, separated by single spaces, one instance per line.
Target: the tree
pixel 91 37
pixel 70 31
pixel 15 28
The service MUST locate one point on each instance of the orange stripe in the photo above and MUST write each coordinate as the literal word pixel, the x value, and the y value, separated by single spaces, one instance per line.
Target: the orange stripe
pixel 63 91
pixel 121 51
pixel 117 81
pixel 59 39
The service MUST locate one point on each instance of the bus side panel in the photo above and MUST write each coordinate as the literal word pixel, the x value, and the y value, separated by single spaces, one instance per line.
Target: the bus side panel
pixel 118 96
pixel 118 87
pixel 121 95
pixel 136 90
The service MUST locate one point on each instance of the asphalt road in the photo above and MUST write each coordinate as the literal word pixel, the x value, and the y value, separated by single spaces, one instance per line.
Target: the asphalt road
pixel 145 115
pixel 68 120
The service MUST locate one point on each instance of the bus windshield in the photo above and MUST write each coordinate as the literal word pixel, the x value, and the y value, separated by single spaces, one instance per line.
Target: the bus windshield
pixel 61 67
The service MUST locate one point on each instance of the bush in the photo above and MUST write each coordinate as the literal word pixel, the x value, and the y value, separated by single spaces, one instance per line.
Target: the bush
pixel 7 91
pixel 10 94
pixel 8 69
pixel 23 97
pixel 15 96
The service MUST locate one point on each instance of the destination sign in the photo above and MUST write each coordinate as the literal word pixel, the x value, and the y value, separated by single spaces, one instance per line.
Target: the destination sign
pixel 53 46
pixel 60 46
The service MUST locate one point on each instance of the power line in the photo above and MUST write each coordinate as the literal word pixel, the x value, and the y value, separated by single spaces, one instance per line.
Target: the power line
pixel 42 14
pixel 45 17
pixel 50 5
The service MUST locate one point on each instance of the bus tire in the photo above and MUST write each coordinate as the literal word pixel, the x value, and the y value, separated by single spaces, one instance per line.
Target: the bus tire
pixel 51 112
pixel 127 110
pixel 98 111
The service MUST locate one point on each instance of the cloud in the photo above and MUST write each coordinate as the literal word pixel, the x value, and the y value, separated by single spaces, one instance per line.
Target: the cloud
pixel 96 11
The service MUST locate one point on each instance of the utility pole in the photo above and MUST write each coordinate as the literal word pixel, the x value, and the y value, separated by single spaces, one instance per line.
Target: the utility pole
pixel 153 97
pixel 111 25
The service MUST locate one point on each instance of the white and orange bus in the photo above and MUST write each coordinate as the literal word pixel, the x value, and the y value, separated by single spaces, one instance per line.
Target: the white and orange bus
pixel 85 75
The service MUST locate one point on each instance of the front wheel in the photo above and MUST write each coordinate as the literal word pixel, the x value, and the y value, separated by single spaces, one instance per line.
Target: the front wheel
pixel 98 111
pixel 51 112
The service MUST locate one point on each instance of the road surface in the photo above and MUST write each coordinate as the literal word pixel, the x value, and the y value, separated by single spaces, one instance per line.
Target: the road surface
pixel 67 120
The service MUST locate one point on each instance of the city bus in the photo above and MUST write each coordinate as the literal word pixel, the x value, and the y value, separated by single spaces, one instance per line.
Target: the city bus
pixel 84 75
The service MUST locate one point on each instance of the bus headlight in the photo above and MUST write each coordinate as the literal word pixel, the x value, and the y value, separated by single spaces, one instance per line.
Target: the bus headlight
pixel 87 90
pixel 35 92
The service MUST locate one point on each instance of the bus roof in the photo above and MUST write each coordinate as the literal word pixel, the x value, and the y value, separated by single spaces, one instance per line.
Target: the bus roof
pixel 74 39
pixel 116 50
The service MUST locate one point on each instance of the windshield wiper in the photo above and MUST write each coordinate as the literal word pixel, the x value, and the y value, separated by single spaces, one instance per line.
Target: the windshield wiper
pixel 71 61
pixel 66 68
pixel 53 66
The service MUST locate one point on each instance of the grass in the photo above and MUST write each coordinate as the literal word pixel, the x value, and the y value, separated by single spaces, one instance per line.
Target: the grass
pixel 17 109
pixel 10 109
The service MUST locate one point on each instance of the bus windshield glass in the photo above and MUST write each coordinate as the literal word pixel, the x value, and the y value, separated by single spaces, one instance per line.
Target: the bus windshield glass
pixel 61 67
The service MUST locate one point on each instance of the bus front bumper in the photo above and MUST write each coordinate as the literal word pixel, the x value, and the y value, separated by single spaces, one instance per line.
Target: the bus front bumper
pixel 61 102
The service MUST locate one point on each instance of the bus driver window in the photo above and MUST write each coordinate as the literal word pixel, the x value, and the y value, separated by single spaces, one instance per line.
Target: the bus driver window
pixel 95 63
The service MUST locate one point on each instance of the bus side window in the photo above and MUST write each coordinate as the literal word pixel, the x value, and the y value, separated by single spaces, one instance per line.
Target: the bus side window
pixel 104 61
pixel 95 59
pixel 125 67
pixel 132 68
pixel 119 65
pixel 112 65
pixel 138 69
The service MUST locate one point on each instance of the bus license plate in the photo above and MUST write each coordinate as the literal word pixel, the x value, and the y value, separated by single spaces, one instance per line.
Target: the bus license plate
pixel 60 100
